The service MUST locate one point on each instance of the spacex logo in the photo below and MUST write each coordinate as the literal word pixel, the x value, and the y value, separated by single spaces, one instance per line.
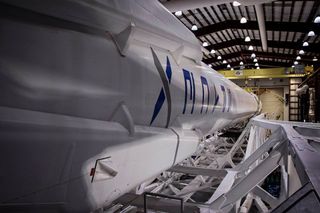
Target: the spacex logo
pixel 165 90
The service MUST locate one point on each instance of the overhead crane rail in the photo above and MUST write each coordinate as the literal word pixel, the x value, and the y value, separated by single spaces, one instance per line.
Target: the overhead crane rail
pixel 283 72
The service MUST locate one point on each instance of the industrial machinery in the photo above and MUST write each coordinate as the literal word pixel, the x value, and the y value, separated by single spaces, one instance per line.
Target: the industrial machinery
pixel 99 96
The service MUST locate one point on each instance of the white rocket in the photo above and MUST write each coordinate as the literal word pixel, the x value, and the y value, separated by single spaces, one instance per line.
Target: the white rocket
pixel 97 96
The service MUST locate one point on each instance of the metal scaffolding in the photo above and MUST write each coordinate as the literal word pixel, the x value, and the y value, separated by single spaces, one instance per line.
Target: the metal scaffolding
pixel 228 176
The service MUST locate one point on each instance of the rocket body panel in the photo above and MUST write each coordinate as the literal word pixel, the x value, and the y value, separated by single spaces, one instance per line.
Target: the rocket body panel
pixel 80 72
pixel 98 98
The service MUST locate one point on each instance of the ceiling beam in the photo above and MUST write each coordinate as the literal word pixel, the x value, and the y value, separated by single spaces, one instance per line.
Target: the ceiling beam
pixel 230 24
pixel 224 57
pixel 253 25
pixel 247 54
pixel 262 64
pixel 284 56
pixel 313 47
pixel 233 42
pixel 262 25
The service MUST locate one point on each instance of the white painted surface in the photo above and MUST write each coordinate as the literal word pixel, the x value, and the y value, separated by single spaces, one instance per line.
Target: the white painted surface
pixel 69 99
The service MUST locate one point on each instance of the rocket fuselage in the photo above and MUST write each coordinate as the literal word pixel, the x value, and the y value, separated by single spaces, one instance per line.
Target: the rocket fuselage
pixel 97 97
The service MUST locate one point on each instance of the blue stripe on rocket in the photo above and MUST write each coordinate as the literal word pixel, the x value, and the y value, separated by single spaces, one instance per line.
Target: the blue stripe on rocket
pixel 162 97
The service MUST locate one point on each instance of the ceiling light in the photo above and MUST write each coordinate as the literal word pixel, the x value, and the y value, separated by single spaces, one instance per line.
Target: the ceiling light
pixel 255 60
pixel 301 52
pixel 232 68
pixel 212 51
pixel 205 44
pixel 295 63
pixel 258 68
pixel 219 57
pixel 224 62
pixel 236 4
pixel 210 65
pixel 317 20
pixel 315 59
pixel 305 44
pixel 256 64
pixel 178 13
pixel 243 20
pixel 253 55
pixel 194 27
pixel 228 66
pixel 292 66
pixel 247 39
pixel 311 33
pixel 298 57
pixel 241 63
pixel 250 47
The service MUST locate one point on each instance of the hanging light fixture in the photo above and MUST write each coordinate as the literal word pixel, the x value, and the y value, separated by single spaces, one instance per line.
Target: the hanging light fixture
pixel 250 47
pixel 298 58
pixel 194 27
pixel 228 66
pixel 253 55
pixel 255 60
pixel 224 61
pixel 258 68
pixel 178 13
pixel 219 57
pixel 305 44
pixel 292 66
pixel 256 64
pixel 212 51
pixel 236 4
pixel 205 44
pixel 317 20
pixel 241 63
pixel 301 52
pixel 247 39
pixel 311 33
pixel 295 63
pixel 232 68
pixel 314 59
pixel 243 20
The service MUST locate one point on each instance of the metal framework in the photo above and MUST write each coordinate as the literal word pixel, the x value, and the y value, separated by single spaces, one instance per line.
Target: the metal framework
pixel 287 24
pixel 226 175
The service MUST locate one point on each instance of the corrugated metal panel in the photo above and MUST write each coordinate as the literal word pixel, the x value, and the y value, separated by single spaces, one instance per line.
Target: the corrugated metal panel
pixel 296 11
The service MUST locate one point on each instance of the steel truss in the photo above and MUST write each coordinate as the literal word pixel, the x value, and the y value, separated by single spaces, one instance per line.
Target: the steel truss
pixel 227 176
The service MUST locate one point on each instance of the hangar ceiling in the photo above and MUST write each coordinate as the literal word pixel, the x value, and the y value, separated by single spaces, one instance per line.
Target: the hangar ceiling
pixel 287 25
